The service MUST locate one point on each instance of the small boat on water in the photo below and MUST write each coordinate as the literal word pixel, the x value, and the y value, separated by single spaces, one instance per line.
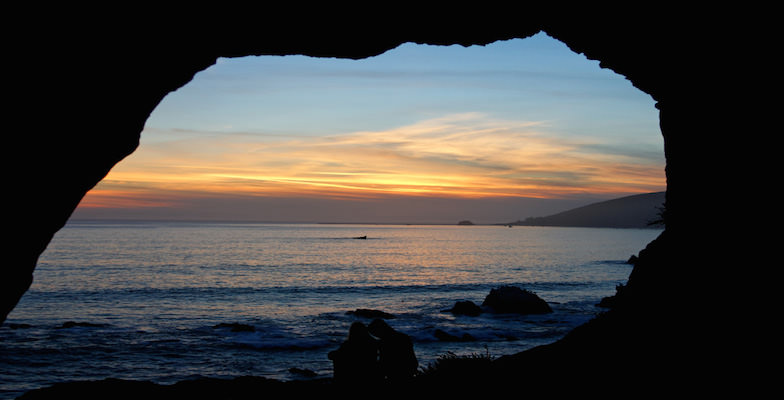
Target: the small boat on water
pixel 361 237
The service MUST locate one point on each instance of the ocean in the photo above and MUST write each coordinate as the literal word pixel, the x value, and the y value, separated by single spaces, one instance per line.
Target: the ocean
pixel 157 301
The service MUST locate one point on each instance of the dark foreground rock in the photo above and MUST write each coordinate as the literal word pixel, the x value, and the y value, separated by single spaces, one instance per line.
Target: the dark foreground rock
pixel 511 299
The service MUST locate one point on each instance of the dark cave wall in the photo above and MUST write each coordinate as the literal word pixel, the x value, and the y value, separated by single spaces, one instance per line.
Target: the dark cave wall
pixel 81 100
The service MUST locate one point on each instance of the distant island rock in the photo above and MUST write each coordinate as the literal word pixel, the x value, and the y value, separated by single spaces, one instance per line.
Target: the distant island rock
pixel 636 211
pixel 465 222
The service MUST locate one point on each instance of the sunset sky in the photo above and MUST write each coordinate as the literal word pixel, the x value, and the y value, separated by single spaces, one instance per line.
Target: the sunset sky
pixel 419 134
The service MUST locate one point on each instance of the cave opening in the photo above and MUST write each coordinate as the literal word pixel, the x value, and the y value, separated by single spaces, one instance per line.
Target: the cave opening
pixel 524 118
pixel 159 197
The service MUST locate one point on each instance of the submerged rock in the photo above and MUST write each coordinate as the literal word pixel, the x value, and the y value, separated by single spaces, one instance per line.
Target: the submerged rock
pixel 466 307
pixel 235 327
pixel 368 313
pixel 448 337
pixel 304 372
pixel 511 299
pixel 72 324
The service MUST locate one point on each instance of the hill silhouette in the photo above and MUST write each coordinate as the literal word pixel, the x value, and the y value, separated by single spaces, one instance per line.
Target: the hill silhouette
pixel 636 211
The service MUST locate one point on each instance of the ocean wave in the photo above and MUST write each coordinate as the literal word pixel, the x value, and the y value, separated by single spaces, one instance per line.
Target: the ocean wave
pixel 264 340
pixel 331 289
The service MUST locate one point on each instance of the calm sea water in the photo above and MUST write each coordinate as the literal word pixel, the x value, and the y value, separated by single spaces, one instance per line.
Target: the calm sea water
pixel 153 293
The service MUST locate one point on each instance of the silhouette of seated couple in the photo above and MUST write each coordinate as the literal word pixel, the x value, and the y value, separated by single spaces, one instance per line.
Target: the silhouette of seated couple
pixel 374 353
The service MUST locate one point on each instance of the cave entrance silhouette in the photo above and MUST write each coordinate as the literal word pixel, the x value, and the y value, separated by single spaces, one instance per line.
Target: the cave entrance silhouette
pixel 142 148
pixel 675 60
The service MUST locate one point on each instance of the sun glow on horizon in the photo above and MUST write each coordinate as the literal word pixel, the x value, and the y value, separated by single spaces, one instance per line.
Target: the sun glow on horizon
pixel 468 150
pixel 460 156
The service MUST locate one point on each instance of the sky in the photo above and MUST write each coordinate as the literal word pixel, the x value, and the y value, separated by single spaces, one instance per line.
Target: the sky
pixel 419 134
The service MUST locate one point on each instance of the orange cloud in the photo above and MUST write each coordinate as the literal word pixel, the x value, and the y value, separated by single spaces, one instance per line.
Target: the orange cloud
pixel 464 155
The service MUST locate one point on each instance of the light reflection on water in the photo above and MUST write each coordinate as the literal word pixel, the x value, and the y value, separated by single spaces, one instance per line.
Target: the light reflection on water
pixel 158 289
pixel 183 255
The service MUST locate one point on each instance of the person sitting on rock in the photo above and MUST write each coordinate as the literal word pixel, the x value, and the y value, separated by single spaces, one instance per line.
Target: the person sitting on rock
pixel 396 352
pixel 356 360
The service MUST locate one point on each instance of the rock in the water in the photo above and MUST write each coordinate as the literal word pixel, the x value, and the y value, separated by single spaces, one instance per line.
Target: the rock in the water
pixel 610 301
pixel 448 337
pixel 606 302
pixel 466 307
pixel 72 324
pixel 511 299
pixel 235 327
pixel 367 313
pixel 307 373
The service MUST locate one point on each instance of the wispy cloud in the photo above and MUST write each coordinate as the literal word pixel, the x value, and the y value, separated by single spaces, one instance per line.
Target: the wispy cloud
pixel 461 155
